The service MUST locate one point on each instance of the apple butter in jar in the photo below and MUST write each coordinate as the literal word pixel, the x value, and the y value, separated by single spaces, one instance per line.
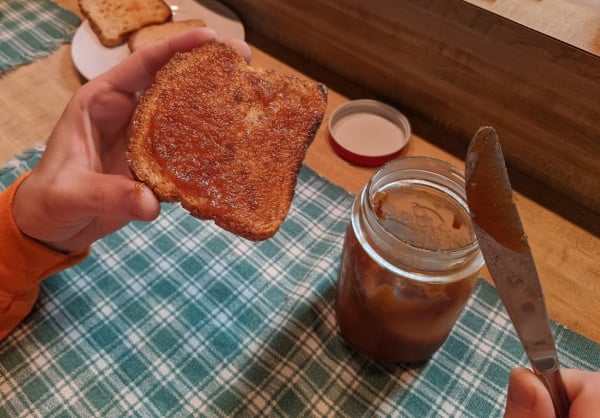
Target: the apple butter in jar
pixel 409 263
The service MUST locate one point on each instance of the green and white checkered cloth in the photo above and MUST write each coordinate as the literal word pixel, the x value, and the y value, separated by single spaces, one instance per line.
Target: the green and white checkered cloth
pixel 179 318
pixel 31 29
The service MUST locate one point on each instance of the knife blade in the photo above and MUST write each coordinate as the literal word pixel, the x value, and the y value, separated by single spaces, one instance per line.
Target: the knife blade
pixel 509 259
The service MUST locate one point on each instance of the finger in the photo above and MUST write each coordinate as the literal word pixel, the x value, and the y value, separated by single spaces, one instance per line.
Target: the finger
pixel 583 387
pixel 242 48
pixel 114 196
pixel 527 396
pixel 139 69
pixel 575 381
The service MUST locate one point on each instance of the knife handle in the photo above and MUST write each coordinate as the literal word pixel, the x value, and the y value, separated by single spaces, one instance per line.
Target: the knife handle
pixel 554 383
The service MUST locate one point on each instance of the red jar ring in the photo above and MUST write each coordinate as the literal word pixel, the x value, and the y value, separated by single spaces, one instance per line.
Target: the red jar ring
pixel 368 133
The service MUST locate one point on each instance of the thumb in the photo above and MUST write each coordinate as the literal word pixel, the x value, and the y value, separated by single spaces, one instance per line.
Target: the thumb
pixel 527 396
pixel 115 196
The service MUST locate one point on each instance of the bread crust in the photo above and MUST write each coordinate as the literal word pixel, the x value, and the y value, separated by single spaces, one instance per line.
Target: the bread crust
pixel 114 20
pixel 225 139
pixel 154 33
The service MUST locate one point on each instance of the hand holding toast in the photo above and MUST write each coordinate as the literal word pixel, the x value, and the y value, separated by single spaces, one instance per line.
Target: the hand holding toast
pixel 82 188
pixel 225 139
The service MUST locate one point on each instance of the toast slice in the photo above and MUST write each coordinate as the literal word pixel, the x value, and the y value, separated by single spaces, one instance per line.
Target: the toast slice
pixel 224 138
pixel 154 33
pixel 114 20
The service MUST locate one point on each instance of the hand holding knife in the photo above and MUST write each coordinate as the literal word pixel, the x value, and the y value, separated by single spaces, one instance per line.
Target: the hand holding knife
pixel 506 251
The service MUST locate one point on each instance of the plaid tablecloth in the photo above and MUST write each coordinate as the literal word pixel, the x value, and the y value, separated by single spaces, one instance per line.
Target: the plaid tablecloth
pixel 31 29
pixel 179 318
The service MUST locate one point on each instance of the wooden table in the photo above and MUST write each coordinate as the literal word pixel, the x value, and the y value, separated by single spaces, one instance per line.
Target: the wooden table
pixel 568 256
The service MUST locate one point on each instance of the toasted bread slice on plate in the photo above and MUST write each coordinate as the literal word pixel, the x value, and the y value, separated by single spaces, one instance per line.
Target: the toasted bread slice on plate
pixel 154 33
pixel 114 20
pixel 225 139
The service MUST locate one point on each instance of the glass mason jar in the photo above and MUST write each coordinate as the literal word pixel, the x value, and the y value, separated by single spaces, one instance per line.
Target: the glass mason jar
pixel 409 263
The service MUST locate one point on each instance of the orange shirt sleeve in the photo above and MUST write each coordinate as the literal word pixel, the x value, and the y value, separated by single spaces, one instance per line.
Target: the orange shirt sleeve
pixel 24 263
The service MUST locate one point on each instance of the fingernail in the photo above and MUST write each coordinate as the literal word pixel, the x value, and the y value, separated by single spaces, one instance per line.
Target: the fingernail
pixel 242 47
pixel 143 205
pixel 211 32
pixel 247 53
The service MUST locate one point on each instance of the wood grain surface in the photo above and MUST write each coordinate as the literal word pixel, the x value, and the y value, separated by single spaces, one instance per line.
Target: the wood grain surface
pixel 574 22
pixel 463 66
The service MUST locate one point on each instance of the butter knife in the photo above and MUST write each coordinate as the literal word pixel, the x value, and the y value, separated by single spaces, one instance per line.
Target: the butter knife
pixel 507 254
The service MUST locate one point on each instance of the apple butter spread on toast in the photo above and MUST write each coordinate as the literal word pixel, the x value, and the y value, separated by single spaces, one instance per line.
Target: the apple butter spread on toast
pixel 225 139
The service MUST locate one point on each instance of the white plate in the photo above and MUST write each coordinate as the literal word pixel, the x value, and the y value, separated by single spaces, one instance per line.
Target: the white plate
pixel 91 58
